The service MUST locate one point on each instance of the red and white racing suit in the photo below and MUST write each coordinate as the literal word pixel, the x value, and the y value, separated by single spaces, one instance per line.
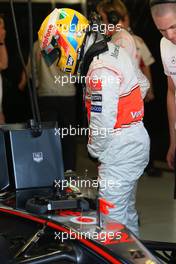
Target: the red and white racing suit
pixel 117 135
pixel 125 40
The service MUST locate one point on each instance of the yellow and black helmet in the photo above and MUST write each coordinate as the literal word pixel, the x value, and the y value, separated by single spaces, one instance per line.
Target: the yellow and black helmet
pixel 61 36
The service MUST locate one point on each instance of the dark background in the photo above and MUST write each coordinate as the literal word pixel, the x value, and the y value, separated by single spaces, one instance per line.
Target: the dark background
pixel 16 104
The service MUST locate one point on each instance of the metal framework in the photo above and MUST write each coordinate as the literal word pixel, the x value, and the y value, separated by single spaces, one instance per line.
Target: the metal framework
pixel 164 251
pixel 83 3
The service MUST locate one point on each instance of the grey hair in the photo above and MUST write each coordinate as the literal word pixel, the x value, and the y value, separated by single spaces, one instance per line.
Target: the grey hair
pixel 163 9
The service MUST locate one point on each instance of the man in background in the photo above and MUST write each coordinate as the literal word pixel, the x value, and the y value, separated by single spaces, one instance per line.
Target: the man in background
pixel 164 16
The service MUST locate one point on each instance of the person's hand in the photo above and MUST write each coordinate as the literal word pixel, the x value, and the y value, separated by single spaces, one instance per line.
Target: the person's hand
pixel 149 96
pixel 21 86
pixel 171 156
pixel 2 118
pixel 23 81
pixel 2 31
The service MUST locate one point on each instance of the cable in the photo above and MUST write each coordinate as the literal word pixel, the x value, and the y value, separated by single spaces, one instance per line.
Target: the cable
pixel 22 58
pixel 34 94
pixel 31 88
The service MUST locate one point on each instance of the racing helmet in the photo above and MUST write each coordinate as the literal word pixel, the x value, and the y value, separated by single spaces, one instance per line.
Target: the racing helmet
pixel 61 37
pixel 157 2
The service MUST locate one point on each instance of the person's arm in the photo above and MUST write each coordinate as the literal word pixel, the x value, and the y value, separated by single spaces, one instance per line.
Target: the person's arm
pixel 2 119
pixel 126 41
pixel 3 64
pixel 171 108
pixel 23 81
pixel 150 94
pixel 104 85
pixel 3 57
pixel 3 50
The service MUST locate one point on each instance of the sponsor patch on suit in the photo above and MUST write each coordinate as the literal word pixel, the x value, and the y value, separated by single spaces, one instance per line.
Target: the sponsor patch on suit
pixel 95 84
pixel 96 97
pixel 96 108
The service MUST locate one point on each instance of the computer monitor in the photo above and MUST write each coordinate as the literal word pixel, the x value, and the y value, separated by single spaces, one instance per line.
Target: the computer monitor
pixel 29 162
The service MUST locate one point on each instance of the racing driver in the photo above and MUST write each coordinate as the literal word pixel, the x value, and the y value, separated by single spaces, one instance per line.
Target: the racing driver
pixel 117 137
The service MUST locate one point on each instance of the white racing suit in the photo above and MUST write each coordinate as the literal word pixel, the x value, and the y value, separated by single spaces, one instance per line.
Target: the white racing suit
pixel 117 135
pixel 125 40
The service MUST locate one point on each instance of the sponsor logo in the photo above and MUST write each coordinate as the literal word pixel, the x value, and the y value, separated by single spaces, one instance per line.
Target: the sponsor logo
pixel 137 254
pixel 115 53
pixel 67 70
pixel 49 49
pixel 79 34
pixel 47 36
pixel 70 61
pixel 118 238
pixel 173 60
pixel 96 97
pixel 137 114
pixel 172 73
pixel 37 156
pixel 57 36
pixel 96 108
pixel 95 84
pixel 86 220
pixel 78 53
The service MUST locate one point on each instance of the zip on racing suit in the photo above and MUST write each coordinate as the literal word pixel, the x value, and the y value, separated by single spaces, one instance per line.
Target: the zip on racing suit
pixel 117 135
